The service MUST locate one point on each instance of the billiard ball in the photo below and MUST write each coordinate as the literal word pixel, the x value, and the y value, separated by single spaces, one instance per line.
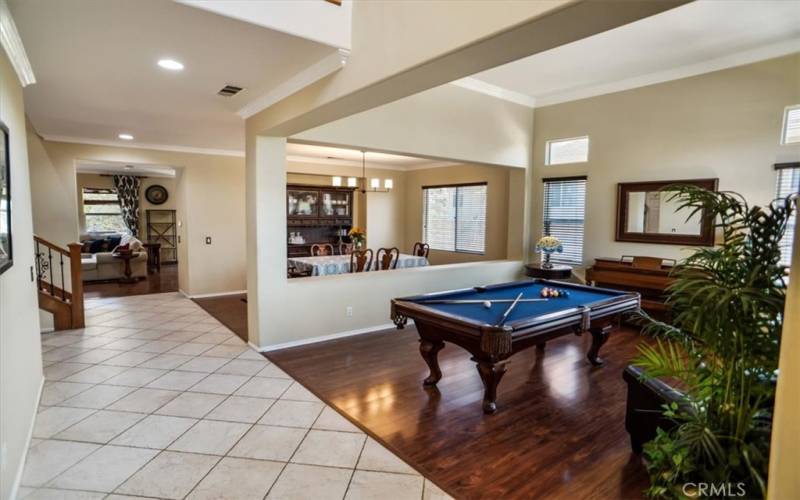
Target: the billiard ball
pixel 487 304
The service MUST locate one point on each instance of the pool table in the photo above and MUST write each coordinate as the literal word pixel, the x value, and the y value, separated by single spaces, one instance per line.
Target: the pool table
pixel 478 320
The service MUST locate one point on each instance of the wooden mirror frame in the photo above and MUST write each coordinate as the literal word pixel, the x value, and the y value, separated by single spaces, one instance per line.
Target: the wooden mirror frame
pixel 706 236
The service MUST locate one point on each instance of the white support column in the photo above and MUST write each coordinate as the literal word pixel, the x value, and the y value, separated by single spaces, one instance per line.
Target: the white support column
pixel 266 231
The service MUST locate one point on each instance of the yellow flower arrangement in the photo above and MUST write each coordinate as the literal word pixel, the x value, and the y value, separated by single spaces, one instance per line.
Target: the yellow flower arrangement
pixel 357 235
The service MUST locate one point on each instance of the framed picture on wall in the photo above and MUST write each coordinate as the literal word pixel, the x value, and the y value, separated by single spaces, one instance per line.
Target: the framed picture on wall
pixel 5 202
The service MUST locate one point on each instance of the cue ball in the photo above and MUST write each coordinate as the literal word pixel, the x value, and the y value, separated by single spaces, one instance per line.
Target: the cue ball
pixel 487 304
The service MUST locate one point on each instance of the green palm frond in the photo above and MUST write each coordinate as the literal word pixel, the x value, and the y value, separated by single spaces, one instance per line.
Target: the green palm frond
pixel 722 345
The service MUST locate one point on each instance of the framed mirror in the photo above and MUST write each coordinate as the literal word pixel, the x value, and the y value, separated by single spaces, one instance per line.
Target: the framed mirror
pixel 646 214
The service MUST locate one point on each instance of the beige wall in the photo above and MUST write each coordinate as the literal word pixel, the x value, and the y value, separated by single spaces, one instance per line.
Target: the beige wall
pixel 724 124
pixel 20 351
pixel 447 122
pixel 497 208
pixel 209 200
pixel 104 181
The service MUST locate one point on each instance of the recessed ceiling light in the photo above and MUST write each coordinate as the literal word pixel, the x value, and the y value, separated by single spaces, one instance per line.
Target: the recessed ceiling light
pixel 125 137
pixel 170 64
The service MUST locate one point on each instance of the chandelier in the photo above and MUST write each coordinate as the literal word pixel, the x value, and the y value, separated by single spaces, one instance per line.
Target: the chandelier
pixel 361 182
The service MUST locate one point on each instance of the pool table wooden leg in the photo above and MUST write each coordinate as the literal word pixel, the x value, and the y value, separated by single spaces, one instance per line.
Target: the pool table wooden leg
pixel 600 335
pixel 491 373
pixel 430 353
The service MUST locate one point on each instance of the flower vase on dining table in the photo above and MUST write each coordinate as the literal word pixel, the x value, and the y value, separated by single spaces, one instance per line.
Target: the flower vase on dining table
pixel 358 237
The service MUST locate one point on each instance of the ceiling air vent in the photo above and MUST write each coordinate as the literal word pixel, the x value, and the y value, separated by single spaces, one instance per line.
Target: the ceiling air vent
pixel 229 90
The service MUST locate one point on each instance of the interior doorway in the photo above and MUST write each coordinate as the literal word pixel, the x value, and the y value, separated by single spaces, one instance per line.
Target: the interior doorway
pixel 128 225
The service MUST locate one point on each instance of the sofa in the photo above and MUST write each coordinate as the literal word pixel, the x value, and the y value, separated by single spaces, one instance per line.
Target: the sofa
pixel 103 266
pixel 644 412
pixel 98 263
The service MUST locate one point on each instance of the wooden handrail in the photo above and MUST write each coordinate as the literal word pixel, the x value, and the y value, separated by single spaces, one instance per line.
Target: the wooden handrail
pixel 52 245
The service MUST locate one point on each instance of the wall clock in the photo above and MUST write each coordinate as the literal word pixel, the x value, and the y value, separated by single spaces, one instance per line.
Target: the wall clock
pixel 156 194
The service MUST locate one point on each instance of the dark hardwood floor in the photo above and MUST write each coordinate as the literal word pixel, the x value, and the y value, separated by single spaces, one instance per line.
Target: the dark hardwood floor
pixel 558 432
pixel 161 282
pixel 230 310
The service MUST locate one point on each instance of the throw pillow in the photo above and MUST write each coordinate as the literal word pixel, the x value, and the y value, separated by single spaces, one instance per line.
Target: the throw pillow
pixel 96 246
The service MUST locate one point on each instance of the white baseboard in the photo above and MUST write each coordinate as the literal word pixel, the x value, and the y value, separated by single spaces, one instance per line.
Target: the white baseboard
pixel 47 330
pixel 207 295
pixel 21 469
pixel 325 338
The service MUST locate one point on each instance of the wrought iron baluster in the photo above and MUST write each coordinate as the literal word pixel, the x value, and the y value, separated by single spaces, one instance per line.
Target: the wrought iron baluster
pixel 63 285
pixel 50 259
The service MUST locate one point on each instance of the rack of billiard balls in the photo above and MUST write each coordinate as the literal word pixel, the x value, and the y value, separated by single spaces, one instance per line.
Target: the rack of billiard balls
pixel 553 293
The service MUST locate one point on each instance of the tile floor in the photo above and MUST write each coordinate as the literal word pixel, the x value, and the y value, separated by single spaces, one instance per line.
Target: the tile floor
pixel 157 399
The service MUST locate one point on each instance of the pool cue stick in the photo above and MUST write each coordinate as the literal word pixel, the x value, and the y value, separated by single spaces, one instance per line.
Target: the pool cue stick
pixel 508 311
pixel 470 301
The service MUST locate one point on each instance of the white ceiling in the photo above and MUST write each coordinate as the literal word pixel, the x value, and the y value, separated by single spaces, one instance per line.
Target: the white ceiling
pixel 695 38
pixel 95 66
pixel 326 155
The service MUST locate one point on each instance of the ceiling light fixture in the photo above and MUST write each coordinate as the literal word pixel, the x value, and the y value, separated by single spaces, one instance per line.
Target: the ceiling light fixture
pixel 125 137
pixel 375 183
pixel 170 64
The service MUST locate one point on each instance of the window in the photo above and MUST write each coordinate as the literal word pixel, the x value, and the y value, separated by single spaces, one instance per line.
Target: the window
pixel 564 206
pixel 791 125
pixel 454 218
pixel 102 211
pixel 560 151
pixel 788 183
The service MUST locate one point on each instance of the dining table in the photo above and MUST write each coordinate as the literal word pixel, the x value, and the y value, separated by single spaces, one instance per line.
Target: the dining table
pixel 326 265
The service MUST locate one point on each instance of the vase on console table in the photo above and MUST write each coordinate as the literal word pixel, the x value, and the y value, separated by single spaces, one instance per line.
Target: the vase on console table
pixel 548 245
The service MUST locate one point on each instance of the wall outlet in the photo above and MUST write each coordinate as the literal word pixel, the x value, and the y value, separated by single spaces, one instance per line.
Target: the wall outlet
pixel 208 240
pixel 349 311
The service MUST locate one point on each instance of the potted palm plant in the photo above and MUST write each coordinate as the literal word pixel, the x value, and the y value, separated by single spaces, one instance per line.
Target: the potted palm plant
pixel 720 351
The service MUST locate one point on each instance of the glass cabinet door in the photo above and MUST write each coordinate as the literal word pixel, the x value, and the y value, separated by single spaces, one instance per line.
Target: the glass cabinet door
pixel 335 204
pixel 302 203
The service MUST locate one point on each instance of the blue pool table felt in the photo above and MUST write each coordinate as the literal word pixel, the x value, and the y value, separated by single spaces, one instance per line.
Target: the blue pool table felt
pixel 584 296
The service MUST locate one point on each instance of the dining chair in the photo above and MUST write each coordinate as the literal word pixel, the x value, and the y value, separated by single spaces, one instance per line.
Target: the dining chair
pixel 361 260
pixel 319 250
pixel 421 249
pixel 387 258
pixel 345 248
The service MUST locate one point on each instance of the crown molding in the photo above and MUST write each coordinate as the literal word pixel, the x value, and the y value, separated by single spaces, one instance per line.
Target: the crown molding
pixel 490 89
pixel 762 53
pixel 317 71
pixel 12 43
pixel 156 147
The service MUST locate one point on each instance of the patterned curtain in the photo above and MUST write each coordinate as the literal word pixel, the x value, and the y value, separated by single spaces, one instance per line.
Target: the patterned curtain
pixel 127 187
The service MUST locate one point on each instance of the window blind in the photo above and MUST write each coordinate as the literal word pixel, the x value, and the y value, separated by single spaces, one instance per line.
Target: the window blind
pixel 564 209
pixel 788 183
pixel 454 218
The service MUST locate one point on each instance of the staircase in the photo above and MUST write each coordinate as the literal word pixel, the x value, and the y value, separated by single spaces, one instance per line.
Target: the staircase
pixel 58 280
